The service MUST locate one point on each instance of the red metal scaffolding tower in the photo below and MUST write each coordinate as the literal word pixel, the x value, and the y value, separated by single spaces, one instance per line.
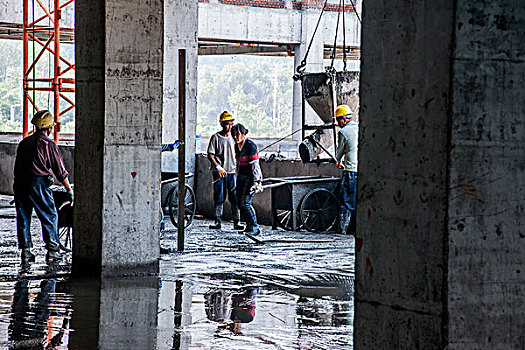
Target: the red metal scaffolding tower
pixel 38 33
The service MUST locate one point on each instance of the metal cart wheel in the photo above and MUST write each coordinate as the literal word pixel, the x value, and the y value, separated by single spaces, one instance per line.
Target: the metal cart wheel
pixel 65 238
pixel 65 223
pixel 318 210
pixel 190 205
pixel 283 217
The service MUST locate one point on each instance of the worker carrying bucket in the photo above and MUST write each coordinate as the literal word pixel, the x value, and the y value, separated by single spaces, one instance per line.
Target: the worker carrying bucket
pixel 347 148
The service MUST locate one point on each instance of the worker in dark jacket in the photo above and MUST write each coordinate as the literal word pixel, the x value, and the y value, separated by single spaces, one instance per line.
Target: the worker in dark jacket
pixel 37 159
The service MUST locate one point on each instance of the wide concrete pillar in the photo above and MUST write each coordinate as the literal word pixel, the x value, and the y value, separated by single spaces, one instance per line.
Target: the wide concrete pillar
pixel 314 64
pixel 441 176
pixel 119 70
pixel 115 313
pixel 180 32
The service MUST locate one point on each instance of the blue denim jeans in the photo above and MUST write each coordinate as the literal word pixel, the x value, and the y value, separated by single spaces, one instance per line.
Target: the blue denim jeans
pixel 35 194
pixel 244 202
pixel 348 190
pixel 223 186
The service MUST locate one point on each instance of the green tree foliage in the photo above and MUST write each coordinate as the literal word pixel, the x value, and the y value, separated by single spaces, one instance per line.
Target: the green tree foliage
pixel 11 84
pixel 257 90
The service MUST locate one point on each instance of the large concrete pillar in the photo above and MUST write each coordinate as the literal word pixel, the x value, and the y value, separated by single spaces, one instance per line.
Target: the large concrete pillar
pixel 441 176
pixel 119 70
pixel 314 63
pixel 115 313
pixel 180 32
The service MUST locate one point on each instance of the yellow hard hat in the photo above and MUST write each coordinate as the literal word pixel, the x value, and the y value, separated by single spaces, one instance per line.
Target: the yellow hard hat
pixel 343 111
pixel 43 119
pixel 226 116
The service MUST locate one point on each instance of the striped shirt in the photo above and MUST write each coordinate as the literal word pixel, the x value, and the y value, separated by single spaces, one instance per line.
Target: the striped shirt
pixel 244 157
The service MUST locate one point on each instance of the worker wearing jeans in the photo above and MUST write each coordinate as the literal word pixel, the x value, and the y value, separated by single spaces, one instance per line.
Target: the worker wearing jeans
pixel 249 177
pixel 221 155
pixel 347 147
pixel 37 159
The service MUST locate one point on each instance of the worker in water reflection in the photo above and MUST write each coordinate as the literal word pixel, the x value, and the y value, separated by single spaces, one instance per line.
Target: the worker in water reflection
pixel 29 325
pixel 347 147
pixel 37 159
pixel 243 308
pixel 221 155
pixel 249 177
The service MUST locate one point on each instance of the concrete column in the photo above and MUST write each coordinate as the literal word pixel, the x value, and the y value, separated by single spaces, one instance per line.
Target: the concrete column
pixel 180 32
pixel 119 64
pixel 486 225
pixel 314 63
pixel 128 313
pixel 440 200
pixel 115 313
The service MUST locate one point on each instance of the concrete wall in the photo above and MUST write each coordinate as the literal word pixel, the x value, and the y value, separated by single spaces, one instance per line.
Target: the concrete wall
pixel 262 201
pixel 440 201
pixel 486 281
pixel 7 164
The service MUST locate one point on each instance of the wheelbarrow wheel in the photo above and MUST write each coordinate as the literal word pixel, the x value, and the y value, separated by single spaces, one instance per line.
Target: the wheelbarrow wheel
pixel 283 216
pixel 318 210
pixel 65 238
pixel 190 205
pixel 65 223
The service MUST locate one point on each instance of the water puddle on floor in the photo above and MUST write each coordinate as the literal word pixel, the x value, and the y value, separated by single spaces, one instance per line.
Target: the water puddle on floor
pixel 223 292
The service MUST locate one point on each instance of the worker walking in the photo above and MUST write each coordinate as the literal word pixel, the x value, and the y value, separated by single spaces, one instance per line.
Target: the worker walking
pixel 249 177
pixel 347 147
pixel 221 154
pixel 37 159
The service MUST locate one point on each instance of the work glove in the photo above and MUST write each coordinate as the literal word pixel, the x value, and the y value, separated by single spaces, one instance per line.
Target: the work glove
pixel 257 187
pixel 71 197
pixel 221 171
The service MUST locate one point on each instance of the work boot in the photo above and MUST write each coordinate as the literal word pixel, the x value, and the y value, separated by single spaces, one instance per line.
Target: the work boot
pixel 27 256
pixel 53 256
pixel 237 225
pixel 344 221
pixel 252 232
pixel 218 217
pixel 216 226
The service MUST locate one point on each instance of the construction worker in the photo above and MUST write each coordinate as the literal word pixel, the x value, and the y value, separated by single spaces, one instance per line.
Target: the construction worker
pixel 347 147
pixel 221 154
pixel 249 177
pixel 37 159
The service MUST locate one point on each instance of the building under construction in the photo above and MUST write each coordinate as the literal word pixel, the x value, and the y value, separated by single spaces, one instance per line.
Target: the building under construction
pixel 438 254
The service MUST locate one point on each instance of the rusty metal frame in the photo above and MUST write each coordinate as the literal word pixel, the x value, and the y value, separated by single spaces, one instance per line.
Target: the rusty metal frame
pixel 45 36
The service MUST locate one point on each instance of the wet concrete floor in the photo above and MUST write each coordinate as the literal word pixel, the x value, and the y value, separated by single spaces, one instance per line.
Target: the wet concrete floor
pixel 224 292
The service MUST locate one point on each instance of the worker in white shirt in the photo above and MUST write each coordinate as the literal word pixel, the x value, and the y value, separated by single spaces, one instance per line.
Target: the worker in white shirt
pixel 221 154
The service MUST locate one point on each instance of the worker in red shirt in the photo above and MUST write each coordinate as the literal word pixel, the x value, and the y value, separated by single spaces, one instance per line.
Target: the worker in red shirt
pixel 37 159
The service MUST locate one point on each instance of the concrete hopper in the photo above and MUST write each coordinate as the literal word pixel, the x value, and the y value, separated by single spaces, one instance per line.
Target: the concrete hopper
pixel 317 91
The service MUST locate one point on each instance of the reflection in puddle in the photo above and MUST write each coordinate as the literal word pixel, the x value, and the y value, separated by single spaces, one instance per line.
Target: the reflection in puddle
pixel 146 313
pixel 37 320
pixel 230 295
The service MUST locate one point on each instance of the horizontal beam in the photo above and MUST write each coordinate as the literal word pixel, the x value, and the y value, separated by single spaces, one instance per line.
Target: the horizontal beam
pixel 238 50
